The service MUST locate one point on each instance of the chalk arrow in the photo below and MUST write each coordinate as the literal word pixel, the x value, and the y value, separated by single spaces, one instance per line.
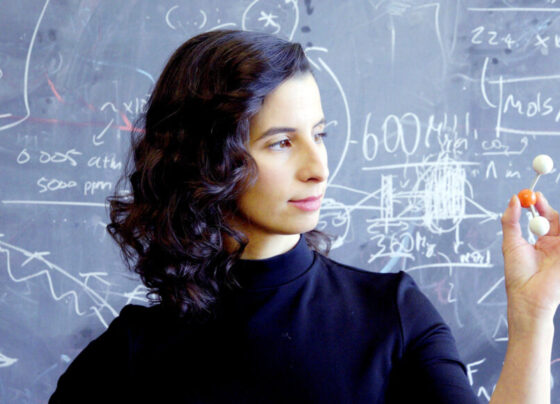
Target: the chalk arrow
pixel 5 361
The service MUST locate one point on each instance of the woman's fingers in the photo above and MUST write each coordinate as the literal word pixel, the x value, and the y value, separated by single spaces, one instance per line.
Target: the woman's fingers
pixel 510 225
pixel 519 262
pixel 546 210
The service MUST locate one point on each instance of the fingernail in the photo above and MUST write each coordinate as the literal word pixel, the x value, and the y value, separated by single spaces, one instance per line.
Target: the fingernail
pixel 542 196
pixel 512 201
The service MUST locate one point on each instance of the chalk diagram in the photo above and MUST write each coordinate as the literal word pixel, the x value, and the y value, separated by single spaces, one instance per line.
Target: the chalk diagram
pixel 433 192
pixel 98 301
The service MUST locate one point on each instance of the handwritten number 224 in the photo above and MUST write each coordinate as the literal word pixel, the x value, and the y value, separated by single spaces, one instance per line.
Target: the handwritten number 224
pixel 492 37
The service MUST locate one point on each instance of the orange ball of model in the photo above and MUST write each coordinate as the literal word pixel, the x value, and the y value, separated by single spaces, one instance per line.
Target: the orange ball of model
pixel 527 198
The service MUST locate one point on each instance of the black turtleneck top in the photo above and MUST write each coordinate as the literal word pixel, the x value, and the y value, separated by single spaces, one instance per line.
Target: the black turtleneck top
pixel 303 329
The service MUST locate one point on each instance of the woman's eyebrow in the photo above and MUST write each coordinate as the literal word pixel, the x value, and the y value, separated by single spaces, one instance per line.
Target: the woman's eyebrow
pixel 275 130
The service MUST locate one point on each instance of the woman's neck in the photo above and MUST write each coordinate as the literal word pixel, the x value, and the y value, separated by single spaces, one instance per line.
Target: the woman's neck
pixel 262 247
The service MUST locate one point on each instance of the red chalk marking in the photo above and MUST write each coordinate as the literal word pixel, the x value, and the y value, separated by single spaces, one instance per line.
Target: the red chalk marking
pixel 51 120
pixel 82 124
pixel 128 126
pixel 56 94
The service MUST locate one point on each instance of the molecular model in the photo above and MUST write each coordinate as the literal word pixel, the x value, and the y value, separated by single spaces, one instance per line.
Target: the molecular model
pixel 539 225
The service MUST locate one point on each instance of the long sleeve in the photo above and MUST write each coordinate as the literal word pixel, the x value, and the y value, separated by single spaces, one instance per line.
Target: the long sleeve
pixel 431 368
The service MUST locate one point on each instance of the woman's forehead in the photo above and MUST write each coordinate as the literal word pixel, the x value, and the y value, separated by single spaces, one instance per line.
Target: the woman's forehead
pixel 294 102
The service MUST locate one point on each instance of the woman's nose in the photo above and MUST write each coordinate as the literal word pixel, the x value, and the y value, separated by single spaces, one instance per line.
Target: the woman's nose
pixel 313 163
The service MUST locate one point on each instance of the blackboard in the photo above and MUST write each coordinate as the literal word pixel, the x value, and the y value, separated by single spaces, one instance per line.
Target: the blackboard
pixel 435 112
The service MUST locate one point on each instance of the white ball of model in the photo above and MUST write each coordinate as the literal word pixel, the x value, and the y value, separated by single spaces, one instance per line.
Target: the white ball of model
pixel 539 225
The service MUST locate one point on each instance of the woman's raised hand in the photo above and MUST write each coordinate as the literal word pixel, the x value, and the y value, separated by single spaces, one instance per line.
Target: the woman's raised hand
pixel 532 272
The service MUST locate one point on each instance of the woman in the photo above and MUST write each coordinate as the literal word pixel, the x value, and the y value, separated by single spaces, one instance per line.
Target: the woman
pixel 227 183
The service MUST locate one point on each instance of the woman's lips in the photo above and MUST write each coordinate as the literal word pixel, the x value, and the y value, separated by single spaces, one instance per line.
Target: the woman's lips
pixel 308 204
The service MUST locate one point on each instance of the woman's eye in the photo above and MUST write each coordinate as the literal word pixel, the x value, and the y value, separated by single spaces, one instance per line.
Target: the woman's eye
pixel 282 144
pixel 285 143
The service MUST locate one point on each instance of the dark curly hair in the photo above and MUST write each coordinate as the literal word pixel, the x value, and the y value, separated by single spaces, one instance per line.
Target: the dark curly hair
pixel 189 164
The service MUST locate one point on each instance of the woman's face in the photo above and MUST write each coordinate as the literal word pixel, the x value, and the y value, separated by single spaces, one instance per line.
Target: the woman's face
pixel 286 141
